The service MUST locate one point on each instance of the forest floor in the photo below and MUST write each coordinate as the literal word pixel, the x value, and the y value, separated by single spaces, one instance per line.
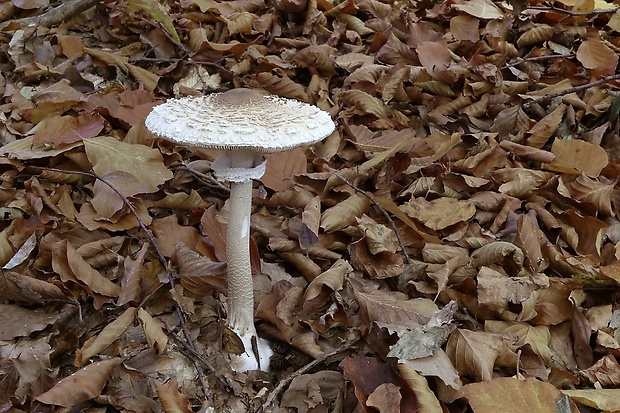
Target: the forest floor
pixel 453 246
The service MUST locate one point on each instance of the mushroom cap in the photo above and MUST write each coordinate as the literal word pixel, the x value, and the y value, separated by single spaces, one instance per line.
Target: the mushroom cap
pixel 240 119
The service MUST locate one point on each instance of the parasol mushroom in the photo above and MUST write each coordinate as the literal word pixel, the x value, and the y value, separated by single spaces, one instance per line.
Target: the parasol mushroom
pixel 245 125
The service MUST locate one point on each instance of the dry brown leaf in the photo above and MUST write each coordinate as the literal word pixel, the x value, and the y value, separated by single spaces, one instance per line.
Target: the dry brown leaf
pixel 440 213
pixel 537 34
pixel 72 267
pixel 344 213
pixel 473 353
pixel 529 237
pixel 512 122
pixel 418 383
pixel 108 155
pixel 438 365
pixel 307 391
pixel 107 336
pixel 497 292
pixel 603 399
pixel 577 156
pixel 171 399
pixel 511 395
pixel 59 130
pixel 321 288
pixel 483 9
pixel 465 27
pixel 155 336
pixel 595 54
pixel 381 306
pixel 586 189
pixel 282 167
pixel 385 398
pixel 80 386
pixel 281 86
pixel 367 374
pixel 17 287
pixel 509 255
pixel 20 322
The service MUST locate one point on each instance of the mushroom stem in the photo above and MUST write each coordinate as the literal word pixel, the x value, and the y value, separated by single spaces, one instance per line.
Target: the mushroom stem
pixel 240 292
pixel 240 287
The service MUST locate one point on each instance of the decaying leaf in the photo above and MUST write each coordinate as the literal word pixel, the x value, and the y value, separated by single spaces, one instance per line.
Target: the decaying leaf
pixel 513 395
pixel 82 385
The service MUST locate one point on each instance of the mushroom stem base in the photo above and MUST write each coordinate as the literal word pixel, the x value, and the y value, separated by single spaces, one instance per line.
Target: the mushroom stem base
pixel 249 360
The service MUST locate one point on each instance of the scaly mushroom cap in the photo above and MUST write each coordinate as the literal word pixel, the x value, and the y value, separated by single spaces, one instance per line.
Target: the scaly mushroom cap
pixel 240 119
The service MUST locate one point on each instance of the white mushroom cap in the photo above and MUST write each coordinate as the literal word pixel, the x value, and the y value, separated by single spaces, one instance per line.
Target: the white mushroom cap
pixel 240 119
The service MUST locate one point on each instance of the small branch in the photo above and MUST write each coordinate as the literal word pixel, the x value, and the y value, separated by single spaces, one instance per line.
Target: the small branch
pixel 193 355
pixel 206 179
pixel 184 61
pixel 55 16
pixel 143 227
pixel 571 90
pixel 383 211
pixel 537 58
pixel 267 406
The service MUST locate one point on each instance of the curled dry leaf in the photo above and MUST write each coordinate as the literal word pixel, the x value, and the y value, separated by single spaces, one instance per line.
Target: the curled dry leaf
pixel 321 288
pixel 344 213
pixel 537 34
pixel 107 336
pixel 17 287
pixel 171 399
pixel 419 384
pixel 155 336
pixel 72 267
pixel 199 275
pixel 80 386
pixel 502 252
pixel 473 353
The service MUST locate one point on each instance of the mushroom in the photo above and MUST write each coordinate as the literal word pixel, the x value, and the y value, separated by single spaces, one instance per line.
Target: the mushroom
pixel 245 125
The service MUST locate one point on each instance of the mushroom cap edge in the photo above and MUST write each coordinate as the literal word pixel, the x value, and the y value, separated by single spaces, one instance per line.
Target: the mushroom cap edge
pixel 240 119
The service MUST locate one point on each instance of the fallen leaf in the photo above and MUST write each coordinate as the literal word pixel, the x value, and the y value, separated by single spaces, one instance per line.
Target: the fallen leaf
pixel 82 385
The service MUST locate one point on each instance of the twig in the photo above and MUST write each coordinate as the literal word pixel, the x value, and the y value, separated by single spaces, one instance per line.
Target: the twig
pixel 55 16
pixel 267 406
pixel 537 58
pixel 574 13
pixel 201 374
pixel 383 211
pixel 206 179
pixel 234 386
pixel 571 90
pixel 184 61
pixel 143 227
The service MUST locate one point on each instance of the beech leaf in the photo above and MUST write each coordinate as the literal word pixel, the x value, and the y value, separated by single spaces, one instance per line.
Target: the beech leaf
pixel 80 386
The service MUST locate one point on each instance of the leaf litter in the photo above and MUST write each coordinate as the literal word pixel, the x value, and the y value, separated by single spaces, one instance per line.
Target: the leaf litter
pixel 452 246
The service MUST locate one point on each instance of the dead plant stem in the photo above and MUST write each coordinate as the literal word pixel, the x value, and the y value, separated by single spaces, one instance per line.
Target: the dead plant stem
pixel 267 406
pixel 571 90
pixel 143 227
